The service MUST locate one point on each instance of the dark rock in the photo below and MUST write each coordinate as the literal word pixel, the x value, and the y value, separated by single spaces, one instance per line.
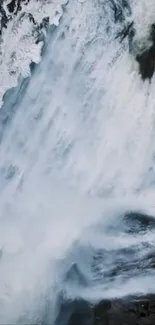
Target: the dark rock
pixel 146 58
pixel 131 311
pixel 12 6
pixel 127 311
pixel 100 312
pixel 75 312
pixel 4 18
pixel 82 314
pixel 16 5
pixel 146 62
pixel 102 306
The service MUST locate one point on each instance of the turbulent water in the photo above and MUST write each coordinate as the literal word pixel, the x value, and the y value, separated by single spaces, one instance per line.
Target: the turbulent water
pixel 77 152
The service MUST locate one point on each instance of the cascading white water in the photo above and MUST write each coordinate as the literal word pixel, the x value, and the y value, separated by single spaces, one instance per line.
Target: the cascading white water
pixel 77 152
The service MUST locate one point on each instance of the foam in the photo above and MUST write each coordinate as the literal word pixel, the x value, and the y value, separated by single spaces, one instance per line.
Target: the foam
pixel 18 46
pixel 83 129
pixel 143 17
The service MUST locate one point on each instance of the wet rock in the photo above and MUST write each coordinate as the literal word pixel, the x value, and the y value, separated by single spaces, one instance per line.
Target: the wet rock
pixel 12 6
pixel 3 18
pixel 146 62
pixel 75 312
pixel 100 312
pixel 16 5
pixel 127 311
pixel 146 58
pixel 82 314
pixel 131 311
pixel 102 306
